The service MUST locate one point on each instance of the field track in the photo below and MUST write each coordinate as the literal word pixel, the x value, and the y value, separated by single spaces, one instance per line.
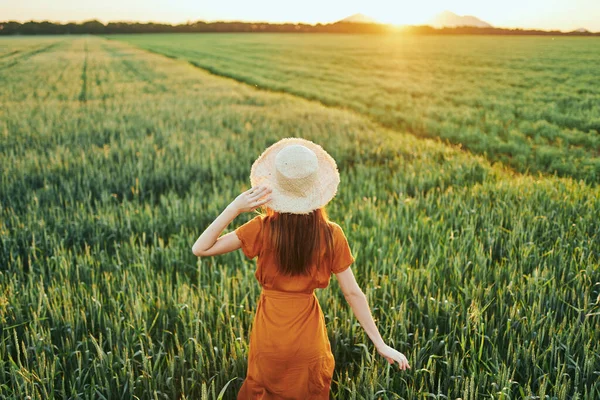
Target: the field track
pixel 114 159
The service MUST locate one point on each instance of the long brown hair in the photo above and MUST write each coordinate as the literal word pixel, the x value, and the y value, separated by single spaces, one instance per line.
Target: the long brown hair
pixel 296 240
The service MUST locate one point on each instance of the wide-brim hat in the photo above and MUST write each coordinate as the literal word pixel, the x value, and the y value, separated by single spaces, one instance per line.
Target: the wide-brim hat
pixel 301 174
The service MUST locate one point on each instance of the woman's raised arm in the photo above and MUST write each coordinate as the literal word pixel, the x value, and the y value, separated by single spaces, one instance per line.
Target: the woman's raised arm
pixel 209 243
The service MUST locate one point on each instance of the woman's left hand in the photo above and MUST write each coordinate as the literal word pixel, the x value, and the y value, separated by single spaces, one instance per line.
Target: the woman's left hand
pixel 251 199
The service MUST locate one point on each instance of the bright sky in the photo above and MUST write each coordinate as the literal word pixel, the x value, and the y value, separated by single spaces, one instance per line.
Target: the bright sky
pixel 542 14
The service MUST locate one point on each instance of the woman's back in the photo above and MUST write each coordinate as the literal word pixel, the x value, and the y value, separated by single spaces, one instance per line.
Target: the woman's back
pixel 254 236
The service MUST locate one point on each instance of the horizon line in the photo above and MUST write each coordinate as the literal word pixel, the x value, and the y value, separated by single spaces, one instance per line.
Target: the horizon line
pixel 189 21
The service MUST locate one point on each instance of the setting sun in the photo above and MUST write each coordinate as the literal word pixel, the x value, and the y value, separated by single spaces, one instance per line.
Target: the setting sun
pixel 402 13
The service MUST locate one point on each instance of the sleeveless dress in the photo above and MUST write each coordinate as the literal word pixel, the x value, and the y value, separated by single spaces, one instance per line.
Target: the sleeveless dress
pixel 290 355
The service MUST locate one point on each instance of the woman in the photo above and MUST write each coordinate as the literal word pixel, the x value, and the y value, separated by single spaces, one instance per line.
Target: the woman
pixel 298 249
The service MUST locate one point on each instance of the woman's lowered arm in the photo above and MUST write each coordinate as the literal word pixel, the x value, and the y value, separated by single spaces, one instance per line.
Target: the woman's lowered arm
pixel 360 307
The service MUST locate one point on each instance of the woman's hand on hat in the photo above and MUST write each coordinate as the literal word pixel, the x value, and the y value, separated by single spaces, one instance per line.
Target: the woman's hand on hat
pixel 392 355
pixel 252 198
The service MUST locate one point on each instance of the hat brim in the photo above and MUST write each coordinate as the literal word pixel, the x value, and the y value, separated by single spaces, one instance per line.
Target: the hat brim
pixel 321 193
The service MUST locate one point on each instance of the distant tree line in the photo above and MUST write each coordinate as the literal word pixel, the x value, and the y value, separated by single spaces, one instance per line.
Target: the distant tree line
pixel 96 27
pixel 472 30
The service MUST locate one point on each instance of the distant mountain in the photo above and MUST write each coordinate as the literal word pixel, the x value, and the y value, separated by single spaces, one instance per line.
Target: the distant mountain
pixel 448 19
pixel 359 18
pixel 581 30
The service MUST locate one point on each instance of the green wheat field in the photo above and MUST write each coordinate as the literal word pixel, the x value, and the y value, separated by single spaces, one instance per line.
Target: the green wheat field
pixel 469 195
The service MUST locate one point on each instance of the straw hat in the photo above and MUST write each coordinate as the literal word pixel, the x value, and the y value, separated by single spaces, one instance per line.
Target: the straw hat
pixel 301 174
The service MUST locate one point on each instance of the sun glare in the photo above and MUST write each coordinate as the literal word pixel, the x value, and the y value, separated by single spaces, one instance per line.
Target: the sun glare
pixel 401 14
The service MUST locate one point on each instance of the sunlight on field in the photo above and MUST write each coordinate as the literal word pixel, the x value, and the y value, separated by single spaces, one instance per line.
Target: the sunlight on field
pixel 529 102
pixel 114 159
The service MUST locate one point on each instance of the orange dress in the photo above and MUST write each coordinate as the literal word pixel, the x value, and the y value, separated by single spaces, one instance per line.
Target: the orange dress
pixel 290 355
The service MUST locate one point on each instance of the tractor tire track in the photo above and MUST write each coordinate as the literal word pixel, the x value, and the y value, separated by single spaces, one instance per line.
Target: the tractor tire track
pixel 83 91
pixel 9 54
pixel 129 67
pixel 25 56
